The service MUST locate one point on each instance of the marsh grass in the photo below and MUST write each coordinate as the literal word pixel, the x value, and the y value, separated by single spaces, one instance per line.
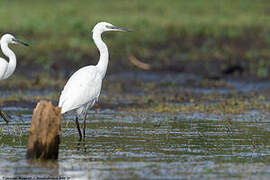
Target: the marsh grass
pixel 150 97
pixel 165 31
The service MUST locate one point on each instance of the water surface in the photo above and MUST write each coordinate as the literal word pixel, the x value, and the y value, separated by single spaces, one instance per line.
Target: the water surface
pixel 122 145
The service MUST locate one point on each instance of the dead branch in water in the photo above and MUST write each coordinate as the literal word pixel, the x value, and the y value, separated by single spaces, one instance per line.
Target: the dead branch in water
pixel 45 132
pixel 139 63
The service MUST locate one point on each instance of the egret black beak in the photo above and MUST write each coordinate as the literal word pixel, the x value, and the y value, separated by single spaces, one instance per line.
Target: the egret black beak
pixel 121 29
pixel 20 42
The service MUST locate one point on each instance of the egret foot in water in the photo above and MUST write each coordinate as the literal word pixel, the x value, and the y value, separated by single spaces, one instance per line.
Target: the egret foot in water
pixel 4 116
pixel 78 127
pixel 84 125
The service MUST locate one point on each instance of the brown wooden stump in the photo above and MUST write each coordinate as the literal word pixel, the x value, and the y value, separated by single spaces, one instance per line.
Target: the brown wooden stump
pixel 45 132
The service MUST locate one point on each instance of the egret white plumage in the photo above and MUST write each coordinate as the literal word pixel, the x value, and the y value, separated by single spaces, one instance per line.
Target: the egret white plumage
pixel 8 68
pixel 83 87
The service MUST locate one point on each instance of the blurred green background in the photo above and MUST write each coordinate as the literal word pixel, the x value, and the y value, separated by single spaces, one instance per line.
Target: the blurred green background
pixel 190 35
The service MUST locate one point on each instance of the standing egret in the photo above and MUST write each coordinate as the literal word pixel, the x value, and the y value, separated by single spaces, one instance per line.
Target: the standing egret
pixel 83 87
pixel 7 68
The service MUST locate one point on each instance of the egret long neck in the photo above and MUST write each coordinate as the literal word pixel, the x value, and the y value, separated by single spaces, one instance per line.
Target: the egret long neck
pixel 103 51
pixel 12 60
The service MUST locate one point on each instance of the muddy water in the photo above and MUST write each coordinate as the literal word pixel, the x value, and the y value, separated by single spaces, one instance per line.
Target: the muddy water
pixel 147 145
pixel 121 145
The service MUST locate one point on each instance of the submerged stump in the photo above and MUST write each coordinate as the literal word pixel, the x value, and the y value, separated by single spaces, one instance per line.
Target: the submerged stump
pixel 44 132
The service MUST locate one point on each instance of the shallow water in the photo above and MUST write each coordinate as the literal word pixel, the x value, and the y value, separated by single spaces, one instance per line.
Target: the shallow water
pixel 125 145
pixel 121 145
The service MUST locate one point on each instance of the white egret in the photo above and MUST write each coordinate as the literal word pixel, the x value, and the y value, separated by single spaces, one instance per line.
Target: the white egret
pixel 7 68
pixel 83 87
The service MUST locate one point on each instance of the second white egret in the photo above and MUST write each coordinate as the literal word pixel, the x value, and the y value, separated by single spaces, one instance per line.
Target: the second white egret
pixel 8 68
pixel 83 87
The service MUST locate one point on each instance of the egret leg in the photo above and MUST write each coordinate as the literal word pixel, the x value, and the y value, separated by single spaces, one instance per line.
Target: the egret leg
pixel 84 125
pixel 4 116
pixel 78 127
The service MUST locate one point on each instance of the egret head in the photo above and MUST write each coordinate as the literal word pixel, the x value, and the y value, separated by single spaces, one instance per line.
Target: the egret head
pixel 104 26
pixel 10 39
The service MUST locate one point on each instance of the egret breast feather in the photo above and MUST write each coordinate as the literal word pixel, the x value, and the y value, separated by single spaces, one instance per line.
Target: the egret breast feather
pixel 83 87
